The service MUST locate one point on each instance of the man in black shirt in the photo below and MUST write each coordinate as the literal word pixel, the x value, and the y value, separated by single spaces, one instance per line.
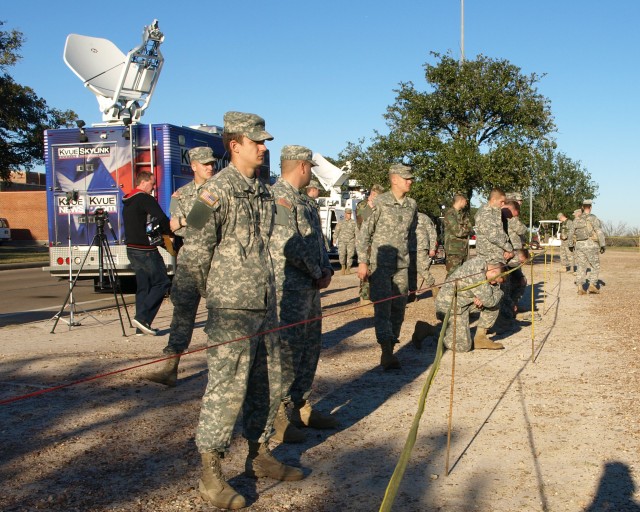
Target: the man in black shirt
pixel 139 208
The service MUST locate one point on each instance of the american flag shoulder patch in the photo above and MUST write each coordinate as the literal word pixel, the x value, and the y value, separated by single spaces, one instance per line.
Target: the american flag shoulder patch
pixel 284 202
pixel 208 198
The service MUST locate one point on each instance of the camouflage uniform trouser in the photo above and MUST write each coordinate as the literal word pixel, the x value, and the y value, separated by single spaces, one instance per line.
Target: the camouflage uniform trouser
pixel 463 341
pixel 389 315
pixel 346 253
pixel 587 257
pixel 566 256
pixel 242 374
pixel 425 277
pixel 185 297
pixel 300 344
pixel 453 261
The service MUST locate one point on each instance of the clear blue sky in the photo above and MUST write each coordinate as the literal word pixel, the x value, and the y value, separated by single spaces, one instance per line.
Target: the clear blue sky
pixel 322 73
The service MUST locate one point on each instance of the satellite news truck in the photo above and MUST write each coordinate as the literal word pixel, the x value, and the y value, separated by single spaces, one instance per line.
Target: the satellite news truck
pixel 92 168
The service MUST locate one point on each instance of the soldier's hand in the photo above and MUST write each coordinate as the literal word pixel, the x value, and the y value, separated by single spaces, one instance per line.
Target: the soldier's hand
pixel 363 271
pixel 602 249
pixel 571 248
pixel 325 280
pixel 174 224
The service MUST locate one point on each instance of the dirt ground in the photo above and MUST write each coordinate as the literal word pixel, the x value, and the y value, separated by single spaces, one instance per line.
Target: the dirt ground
pixel 559 432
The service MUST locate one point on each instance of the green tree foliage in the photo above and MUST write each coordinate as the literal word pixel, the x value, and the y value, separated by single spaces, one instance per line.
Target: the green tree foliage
pixel 23 115
pixel 472 130
pixel 559 184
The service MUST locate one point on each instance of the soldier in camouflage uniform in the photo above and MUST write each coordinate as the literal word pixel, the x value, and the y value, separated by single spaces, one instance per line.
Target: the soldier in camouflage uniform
pixel 575 214
pixel 516 230
pixel 302 269
pixel 383 247
pixel 364 209
pixel 492 240
pixel 589 244
pixel 185 290
pixel 566 256
pixel 423 244
pixel 313 192
pixel 484 297
pixel 456 234
pixel 231 223
pixel 345 237
pixel 514 283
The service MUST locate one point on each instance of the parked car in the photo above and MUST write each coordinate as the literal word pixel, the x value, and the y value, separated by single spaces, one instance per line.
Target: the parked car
pixel 5 230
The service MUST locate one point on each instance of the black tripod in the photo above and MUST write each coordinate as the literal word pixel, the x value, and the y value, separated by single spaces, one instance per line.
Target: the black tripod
pixel 72 321
pixel 104 253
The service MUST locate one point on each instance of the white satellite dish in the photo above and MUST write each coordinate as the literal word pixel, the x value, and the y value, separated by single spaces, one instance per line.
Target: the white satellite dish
pixel 123 84
pixel 97 62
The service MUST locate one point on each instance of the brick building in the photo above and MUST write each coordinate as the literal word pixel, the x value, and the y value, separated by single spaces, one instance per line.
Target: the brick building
pixel 26 212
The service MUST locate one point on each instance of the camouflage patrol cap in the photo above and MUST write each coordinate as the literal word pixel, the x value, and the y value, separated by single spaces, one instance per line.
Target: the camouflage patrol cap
pixel 560 215
pixel 313 184
pixel 576 212
pixel 514 196
pixel 297 153
pixel 404 171
pixel 587 202
pixel 249 125
pixel 202 154
pixel 347 210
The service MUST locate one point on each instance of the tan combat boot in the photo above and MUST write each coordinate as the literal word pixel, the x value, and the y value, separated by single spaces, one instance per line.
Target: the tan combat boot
pixel 481 341
pixel 593 289
pixel 305 416
pixel 387 359
pixel 286 432
pixel 434 292
pixel 167 375
pixel 260 463
pixel 581 290
pixel 343 270
pixel 213 486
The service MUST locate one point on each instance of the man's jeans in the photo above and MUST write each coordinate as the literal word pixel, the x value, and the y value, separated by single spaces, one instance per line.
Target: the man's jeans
pixel 151 280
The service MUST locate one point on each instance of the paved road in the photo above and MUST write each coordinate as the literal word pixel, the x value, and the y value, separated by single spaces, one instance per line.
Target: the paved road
pixel 28 295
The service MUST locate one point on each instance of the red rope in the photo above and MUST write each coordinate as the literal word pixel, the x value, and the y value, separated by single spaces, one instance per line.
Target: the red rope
pixel 129 368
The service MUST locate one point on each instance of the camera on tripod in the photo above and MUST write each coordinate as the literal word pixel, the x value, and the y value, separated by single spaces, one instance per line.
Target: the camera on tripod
pixel 101 217
pixel 71 196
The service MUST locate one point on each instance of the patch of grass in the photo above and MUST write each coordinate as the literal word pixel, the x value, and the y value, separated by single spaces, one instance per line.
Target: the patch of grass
pixel 30 254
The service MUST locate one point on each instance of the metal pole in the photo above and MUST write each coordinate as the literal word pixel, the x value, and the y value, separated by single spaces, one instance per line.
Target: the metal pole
pixel 530 214
pixel 453 374
pixel 533 315
pixel 462 32
pixel 72 304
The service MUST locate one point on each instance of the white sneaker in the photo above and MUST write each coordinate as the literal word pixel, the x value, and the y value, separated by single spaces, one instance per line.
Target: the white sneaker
pixel 145 327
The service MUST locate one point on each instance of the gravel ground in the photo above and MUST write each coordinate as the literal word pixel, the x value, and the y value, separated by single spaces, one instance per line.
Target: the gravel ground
pixel 553 429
